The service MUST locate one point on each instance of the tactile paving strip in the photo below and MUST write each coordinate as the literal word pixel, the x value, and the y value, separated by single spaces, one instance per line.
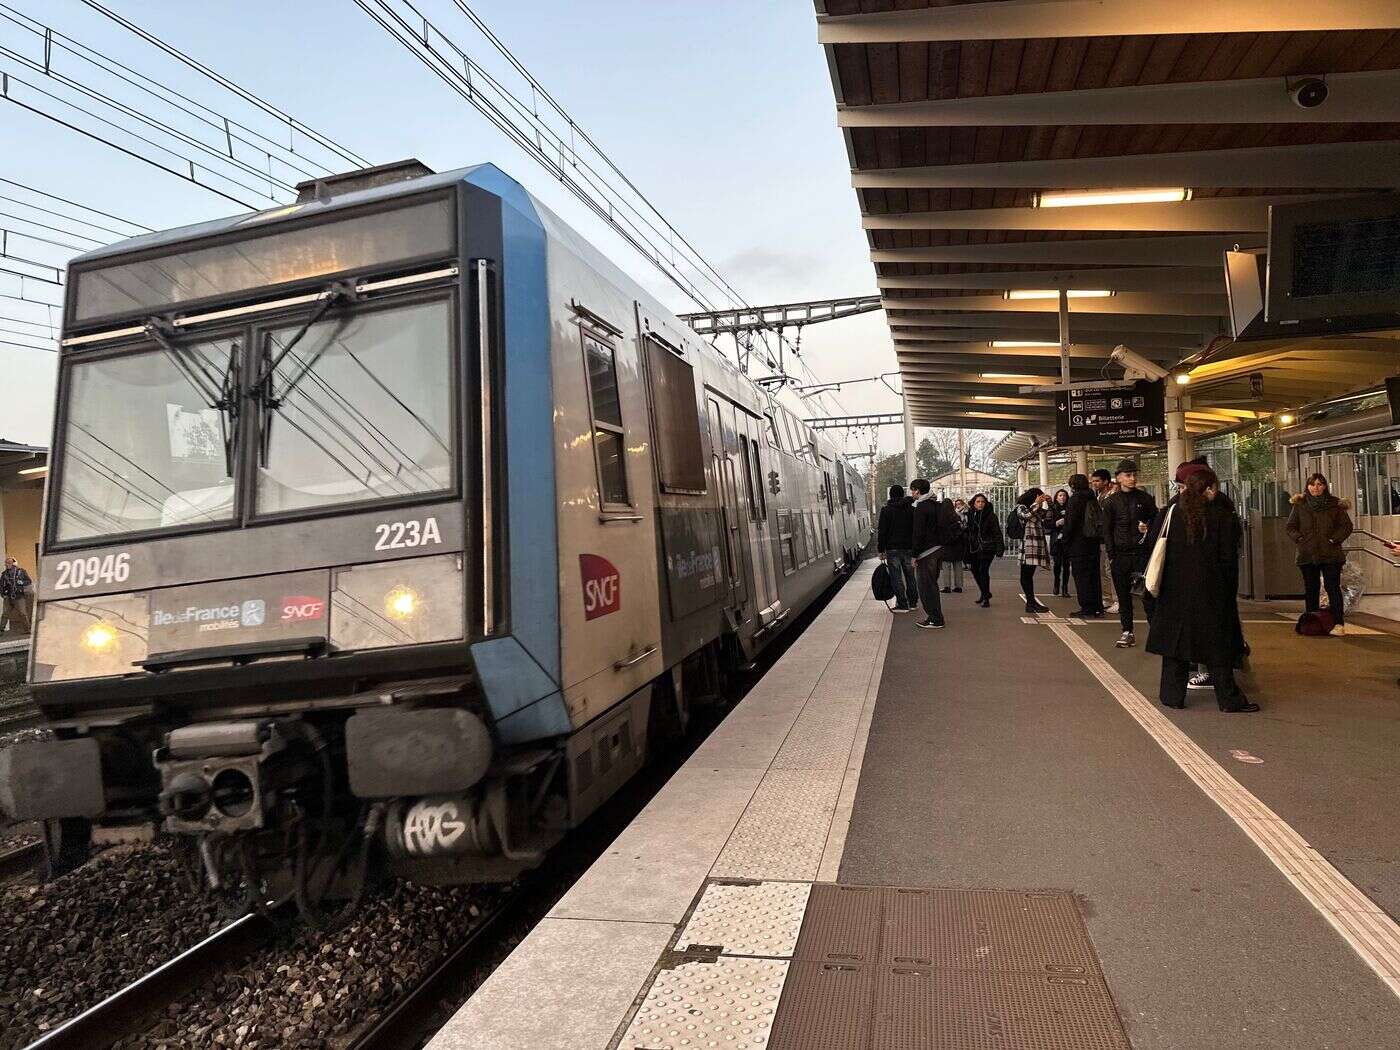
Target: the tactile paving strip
pixel 749 919
pixel 784 828
pixel 727 1003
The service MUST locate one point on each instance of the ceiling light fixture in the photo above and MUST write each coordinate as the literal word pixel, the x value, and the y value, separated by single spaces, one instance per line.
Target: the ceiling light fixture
pixel 29 471
pixel 1285 418
pixel 1091 198
pixel 1008 375
pixel 1010 344
pixel 1054 293
pixel 1181 378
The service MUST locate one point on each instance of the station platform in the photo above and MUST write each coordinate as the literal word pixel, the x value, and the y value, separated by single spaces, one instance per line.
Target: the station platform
pixel 993 836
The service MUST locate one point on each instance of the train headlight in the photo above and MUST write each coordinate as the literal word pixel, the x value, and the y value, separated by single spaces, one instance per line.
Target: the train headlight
pixel 408 601
pixel 402 603
pixel 100 637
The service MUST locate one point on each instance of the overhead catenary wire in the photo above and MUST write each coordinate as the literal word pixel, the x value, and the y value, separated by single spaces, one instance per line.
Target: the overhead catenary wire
pixel 291 122
pixel 85 207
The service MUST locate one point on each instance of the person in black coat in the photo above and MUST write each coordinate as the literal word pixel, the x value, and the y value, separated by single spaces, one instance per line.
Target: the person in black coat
pixel 984 542
pixel 937 537
pixel 1197 618
pixel 1082 536
pixel 1054 527
pixel 1127 515
pixel 894 540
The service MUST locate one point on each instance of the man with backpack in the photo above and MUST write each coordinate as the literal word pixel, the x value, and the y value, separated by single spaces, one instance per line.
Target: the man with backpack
pixel 894 539
pixel 1082 538
pixel 937 538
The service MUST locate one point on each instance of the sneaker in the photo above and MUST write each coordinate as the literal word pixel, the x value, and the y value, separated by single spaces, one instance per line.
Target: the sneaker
pixel 1033 607
pixel 1112 608
pixel 1125 640
pixel 903 608
pixel 1200 680
pixel 931 625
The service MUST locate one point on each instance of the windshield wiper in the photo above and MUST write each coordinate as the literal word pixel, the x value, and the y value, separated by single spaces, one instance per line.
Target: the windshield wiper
pixel 220 394
pixel 263 388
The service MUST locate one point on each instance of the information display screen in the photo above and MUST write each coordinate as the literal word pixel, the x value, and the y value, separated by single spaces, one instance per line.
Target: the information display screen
pixel 1114 416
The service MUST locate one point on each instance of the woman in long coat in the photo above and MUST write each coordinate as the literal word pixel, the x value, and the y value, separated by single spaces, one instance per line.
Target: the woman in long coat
pixel 984 543
pixel 1197 619
pixel 1035 548
pixel 1319 524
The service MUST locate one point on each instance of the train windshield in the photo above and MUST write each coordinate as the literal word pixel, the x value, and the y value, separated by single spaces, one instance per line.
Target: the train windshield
pixel 144 446
pixel 359 408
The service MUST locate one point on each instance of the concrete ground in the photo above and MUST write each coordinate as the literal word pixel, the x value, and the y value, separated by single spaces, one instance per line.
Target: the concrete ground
pixel 996 758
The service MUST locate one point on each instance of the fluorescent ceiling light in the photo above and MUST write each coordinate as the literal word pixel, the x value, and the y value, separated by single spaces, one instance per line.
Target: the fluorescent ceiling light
pixel 1014 343
pixel 1054 293
pixel 984 397
pixel 1089 198
pixel 35 470
pixel 1008 375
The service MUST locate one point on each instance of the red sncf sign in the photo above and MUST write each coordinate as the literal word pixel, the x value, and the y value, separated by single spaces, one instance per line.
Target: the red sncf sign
pixel 302 607
pixel 602 586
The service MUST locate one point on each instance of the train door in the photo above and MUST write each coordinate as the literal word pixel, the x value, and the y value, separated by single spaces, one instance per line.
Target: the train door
pixel 830 533
pixel 723 443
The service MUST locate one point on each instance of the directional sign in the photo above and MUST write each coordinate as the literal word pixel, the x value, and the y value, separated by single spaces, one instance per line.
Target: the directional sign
pixel 1128 414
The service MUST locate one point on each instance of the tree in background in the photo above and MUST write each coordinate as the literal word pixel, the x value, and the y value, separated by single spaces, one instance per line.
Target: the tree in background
pixel 1254 454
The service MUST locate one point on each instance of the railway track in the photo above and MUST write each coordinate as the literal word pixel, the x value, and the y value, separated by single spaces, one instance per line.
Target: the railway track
pixel 130 1009
pixel 20 859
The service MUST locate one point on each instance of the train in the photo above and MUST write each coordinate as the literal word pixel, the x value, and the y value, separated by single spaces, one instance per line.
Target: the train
pixel 387 531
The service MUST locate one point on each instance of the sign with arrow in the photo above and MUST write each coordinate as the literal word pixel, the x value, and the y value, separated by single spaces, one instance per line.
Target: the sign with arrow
pixel 1126 415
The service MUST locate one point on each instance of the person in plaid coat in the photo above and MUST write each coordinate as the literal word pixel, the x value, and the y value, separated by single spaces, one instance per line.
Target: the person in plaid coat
pixel 1032 507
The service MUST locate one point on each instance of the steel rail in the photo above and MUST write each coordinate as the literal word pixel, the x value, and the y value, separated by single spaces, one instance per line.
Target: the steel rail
pixel 21 859
pixel 125 1011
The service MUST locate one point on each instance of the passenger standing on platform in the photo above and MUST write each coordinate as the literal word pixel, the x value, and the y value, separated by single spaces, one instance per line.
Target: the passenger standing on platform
pixel 984 543
pixel 894 539
pixel 1033 510
pixel 1319 524
pixel 1101 481
pixel 1197 618
pixel 16 588
pixel 1083 536
pixel 953 568
pixel 937 536
pixel 1054 531
pixel 1127 514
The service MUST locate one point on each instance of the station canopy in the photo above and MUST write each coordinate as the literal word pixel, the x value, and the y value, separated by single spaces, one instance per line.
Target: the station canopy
pixel 995 148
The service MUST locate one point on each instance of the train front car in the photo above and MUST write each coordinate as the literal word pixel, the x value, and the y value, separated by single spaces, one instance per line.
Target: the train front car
pixel 272 615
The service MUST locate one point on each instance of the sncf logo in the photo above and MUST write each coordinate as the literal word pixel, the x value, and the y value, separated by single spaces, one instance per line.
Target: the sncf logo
pixel 602 586
pixel 303 607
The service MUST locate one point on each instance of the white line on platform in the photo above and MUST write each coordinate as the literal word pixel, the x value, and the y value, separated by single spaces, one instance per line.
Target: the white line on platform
pixel 1364 924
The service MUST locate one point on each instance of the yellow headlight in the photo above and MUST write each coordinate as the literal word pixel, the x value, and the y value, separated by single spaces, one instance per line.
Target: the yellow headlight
pixel 100 637
pixel 401 603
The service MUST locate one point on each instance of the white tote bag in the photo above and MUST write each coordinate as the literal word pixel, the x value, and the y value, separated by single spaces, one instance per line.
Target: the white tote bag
pixel 1157 563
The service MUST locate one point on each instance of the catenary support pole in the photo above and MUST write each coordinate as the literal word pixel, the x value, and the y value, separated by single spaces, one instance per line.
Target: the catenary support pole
pixel 1044 469
pixel 1023 477
pixel 1081 461
pixel 1180 445
pixel 911 462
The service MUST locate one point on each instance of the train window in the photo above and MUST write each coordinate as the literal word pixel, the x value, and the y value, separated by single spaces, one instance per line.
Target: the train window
pixel 760 508
pixel 262 260
pixel 773 441
pixel 142 447
pixel 749 486
pixel 360 409
pixel 680 457
pixel 826 488
pixel 609 442
pixel 787 545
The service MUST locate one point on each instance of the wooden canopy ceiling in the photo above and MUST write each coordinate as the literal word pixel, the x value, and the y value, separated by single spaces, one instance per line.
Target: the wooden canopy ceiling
pixel 957 114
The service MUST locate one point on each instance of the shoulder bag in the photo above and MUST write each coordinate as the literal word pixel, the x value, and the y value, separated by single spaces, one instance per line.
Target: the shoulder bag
pixel 1157 561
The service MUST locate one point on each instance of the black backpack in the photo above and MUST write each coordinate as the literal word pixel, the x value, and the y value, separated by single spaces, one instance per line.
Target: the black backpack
pixel 1015 527
pixel 880 585
pixel 1093 521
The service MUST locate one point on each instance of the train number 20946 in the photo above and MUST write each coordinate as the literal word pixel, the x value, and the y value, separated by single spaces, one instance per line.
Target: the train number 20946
pixel 88 572
pixel 392 535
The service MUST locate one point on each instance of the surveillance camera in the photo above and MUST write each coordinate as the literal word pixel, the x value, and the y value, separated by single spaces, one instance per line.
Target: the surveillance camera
pixel 1135 366
pixel 1308 93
